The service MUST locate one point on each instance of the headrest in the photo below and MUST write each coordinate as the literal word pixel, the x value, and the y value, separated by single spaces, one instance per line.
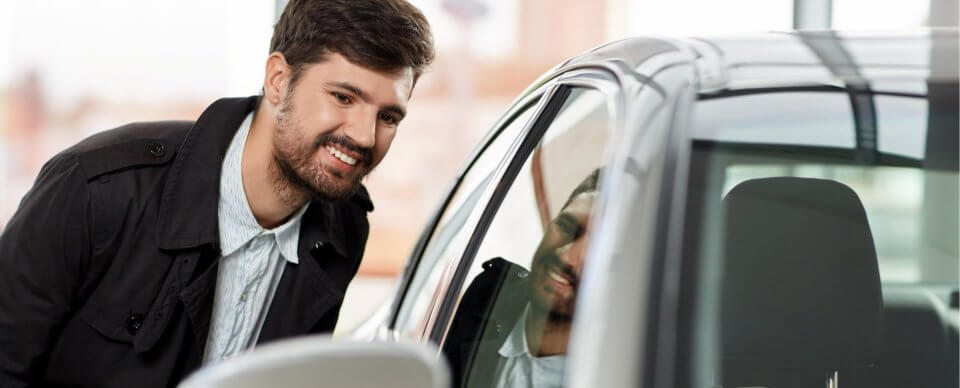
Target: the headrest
pixel 800 281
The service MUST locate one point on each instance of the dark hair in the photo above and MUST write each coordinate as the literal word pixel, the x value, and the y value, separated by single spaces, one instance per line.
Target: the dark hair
pixel 587 185
pixel 383 35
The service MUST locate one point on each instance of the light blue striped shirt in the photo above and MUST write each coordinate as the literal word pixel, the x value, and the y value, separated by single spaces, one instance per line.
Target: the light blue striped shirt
pixel 521 368
pixel 251 262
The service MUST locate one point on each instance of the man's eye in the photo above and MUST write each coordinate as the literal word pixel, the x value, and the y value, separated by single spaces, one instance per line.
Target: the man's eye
pixel 568 225
pixel 386 118
pixel 342 98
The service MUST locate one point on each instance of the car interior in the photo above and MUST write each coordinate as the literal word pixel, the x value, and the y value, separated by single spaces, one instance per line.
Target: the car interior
pixel 825 264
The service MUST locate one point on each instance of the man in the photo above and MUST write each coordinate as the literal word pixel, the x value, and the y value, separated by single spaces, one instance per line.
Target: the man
pixel 513 327
pixel 146 251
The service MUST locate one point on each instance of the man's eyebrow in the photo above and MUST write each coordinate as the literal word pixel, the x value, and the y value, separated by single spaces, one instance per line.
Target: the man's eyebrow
pixel 349 87
pixel 568 224
pixel 395 109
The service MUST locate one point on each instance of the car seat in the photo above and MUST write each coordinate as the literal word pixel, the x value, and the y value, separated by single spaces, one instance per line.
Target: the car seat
pixel 801 299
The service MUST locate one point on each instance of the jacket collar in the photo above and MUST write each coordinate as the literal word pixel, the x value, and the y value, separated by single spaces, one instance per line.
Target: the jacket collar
pixel 188 206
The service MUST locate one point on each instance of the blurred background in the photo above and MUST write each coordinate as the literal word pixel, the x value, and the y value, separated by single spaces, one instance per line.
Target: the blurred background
pixel 69 69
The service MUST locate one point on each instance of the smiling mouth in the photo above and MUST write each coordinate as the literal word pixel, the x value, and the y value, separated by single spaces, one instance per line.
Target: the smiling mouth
pixel 559 277
pixel 341 156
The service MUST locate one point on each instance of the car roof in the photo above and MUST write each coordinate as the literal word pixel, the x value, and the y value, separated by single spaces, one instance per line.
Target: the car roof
pixel 806 56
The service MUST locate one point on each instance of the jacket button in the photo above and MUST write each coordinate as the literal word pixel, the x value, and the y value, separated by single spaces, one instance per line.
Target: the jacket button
pixel 318 245
pixel 134 322
pixel 157 150
pixel 522 274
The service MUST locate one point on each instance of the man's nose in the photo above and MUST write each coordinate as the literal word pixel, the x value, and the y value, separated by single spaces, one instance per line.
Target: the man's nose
pixel 571 255
pixel 362 128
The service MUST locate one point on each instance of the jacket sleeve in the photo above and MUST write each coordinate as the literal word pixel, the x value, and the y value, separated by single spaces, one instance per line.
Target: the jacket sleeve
pixel 43 250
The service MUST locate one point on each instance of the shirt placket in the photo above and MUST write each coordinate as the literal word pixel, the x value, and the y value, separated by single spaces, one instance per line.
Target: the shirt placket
pixel 252 279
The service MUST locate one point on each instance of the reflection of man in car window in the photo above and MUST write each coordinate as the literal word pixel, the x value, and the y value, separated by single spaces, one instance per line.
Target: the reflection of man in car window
pixel 512 327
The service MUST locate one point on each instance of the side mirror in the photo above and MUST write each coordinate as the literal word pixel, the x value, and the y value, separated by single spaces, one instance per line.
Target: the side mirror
pixel 319 361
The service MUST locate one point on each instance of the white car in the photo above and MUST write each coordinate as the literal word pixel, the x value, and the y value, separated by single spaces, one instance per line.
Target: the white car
pixel 773 210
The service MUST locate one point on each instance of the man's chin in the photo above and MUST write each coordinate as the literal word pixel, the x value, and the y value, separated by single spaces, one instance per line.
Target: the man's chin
pixel 333 187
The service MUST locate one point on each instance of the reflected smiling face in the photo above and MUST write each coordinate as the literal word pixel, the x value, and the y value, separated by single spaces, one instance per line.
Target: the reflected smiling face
pixel 336 124
pixel 558 261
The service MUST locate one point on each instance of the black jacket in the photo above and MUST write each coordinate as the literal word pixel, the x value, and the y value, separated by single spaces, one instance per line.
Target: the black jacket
pixel 488 312
pixel 108 267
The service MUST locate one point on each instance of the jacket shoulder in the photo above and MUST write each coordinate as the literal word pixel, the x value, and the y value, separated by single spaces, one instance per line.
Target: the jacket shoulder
pixel 130 145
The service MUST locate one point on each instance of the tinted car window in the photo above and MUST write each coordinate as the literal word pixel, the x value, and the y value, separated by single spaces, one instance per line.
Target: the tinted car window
pixel 445 245
pixel 512 323
pixel 816 264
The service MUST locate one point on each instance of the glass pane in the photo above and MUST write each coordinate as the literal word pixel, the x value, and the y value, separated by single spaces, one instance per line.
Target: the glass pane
pixel 452 232
pixel 901 125
pixel 512 323
pixel 778 118
pixel 813 268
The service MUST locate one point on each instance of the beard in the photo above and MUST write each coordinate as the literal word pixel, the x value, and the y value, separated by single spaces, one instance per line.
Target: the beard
pixel 297 175
pixel 543 297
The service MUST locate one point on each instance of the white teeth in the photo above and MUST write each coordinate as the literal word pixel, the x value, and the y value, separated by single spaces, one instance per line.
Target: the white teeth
pixel 559 279
pixel 340 155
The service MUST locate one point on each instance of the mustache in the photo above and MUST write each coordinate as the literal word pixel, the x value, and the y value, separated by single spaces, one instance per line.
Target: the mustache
pixel 365 154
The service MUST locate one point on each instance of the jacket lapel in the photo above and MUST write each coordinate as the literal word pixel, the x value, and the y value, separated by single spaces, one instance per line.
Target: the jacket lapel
pixel 197 294
pixel 188 207
pixel 310 293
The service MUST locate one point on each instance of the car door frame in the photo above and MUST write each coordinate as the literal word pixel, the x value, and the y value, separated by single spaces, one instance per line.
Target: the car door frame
pixel 533 98
pixel 596 78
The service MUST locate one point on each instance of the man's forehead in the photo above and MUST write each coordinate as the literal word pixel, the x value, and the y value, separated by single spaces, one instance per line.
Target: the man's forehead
pixel 395 85
pixel 581 203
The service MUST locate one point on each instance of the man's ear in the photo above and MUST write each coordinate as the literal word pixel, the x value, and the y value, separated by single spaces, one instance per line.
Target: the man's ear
pixel 275 78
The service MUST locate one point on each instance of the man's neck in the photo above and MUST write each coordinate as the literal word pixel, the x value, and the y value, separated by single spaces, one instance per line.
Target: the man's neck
pixel 545 336
pixel 268 203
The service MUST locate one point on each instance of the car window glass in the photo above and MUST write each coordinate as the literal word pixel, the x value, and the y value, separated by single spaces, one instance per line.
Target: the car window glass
pixel 513 318
pixel 817 267
pixel 452 232
pixel 901 125
pixel 777 118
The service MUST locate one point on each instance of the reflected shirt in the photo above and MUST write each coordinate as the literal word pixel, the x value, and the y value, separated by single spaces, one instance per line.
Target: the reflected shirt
pixel 251 262
pixel 521 369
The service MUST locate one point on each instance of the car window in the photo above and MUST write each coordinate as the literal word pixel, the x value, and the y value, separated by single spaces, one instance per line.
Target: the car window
pixel 513 318
pixel 812 265
pixel 446 243
pixel 724 121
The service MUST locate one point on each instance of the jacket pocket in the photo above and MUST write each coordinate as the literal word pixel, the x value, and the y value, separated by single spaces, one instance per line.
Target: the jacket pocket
pixel 113 326
pixel 122 310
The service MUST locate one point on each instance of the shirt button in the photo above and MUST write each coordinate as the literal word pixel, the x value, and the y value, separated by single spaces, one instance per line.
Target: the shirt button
pixel 243 297
pixel 134 322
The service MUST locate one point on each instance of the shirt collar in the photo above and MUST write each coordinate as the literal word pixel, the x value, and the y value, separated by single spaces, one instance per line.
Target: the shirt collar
pixel 237 225
pixel 288 236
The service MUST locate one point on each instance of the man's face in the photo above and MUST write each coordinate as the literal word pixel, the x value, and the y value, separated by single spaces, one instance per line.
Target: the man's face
pixel 336 124
pixel 558 261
